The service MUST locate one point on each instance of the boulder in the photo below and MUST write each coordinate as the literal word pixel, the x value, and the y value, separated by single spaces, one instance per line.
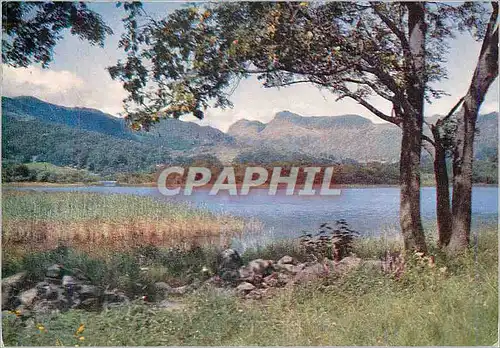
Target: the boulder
pixel 311 273
pixel 228 260
pixel 260 266
pixel 247 275
pixel 10 288
pixel 283 279
pixel 244 288
pixel 88 292
pixel 289 268
pixel 54 271
pixel 28 297
pixel 256 294
pixel 14 281
pixel 114 298
pixel 271 280
pixel 286 260
pixel 50 306
pixel 255 271
pixel 68 281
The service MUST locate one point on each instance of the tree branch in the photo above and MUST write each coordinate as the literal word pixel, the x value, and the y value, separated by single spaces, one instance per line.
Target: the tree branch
pixel 452 111
pixel 374 87
pixel 391 25
pixel 374 110
pixel 429 140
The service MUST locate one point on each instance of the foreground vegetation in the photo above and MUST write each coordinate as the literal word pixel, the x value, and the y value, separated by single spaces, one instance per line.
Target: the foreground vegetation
pixel 454 302
pixel 36 221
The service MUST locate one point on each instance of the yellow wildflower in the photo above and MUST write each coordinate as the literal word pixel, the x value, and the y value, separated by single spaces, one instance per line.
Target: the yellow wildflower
pixel 80 329
pixel 81 338
pixel 16 312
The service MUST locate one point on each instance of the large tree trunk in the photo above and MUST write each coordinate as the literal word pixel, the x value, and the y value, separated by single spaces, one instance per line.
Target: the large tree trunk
pixel 485 73
pixel 410 220
pixel 443 209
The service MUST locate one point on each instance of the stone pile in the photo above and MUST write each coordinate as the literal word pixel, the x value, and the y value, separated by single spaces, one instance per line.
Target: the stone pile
pixel 64 289
pixel 57 292
pixel 255 279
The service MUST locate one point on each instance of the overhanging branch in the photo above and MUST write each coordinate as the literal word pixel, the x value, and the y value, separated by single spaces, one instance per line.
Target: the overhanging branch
pixel 373 109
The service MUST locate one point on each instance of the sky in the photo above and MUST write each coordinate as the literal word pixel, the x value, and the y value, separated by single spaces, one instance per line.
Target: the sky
pixel 77 76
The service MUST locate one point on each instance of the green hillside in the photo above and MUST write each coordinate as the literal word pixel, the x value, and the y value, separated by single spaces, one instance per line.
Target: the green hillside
pixel 33 140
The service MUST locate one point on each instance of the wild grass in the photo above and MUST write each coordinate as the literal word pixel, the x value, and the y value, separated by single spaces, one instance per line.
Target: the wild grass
pixel 34 221
pixel 453 303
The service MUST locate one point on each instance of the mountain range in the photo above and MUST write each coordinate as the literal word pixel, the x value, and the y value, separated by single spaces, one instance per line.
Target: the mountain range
pixel 27 123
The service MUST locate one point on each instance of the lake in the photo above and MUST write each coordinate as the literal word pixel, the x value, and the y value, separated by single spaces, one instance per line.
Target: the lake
pixel 369 210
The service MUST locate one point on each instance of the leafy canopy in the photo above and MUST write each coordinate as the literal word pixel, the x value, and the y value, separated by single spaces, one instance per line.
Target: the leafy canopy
pixel 31 29
pixel 196 56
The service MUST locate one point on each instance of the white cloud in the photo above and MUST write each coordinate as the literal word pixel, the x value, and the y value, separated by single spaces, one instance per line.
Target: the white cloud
pixel 34 79
pixel 63 87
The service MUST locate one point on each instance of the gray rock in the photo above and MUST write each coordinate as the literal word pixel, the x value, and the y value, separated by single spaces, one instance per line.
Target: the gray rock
pixel 255 271
pixel 283 279
pixel 88 291
pixel 10 288
pixel 311 273
pixel 46 306
pixel 244 288
pixel 260 266
pixel 255 294
pixel 248 275
pixel 228 260
pixel 289 268
pixel 114 298
pixel 285 260
pixel 28 297
pixel 14 281
pixel 48 291
pixel 53 271
pixel 53 281
pixel 68 280
pixel 271 280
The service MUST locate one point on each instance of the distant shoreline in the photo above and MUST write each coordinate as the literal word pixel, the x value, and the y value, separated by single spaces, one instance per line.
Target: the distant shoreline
pixel 153 184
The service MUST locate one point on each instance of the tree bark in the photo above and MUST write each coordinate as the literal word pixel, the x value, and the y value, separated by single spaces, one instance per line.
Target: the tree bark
pixel 410 220
pixel 443 208
pixel 485 73
pixel 412 126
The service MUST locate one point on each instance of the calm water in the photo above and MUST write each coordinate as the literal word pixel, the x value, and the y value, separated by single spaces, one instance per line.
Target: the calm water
pixel 370 210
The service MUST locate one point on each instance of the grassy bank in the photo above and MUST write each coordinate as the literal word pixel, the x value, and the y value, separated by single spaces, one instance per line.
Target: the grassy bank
pixel 453 303
pixel 35 221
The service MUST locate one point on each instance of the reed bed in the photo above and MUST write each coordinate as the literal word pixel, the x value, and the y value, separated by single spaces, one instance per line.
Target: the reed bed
pixel 34 221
